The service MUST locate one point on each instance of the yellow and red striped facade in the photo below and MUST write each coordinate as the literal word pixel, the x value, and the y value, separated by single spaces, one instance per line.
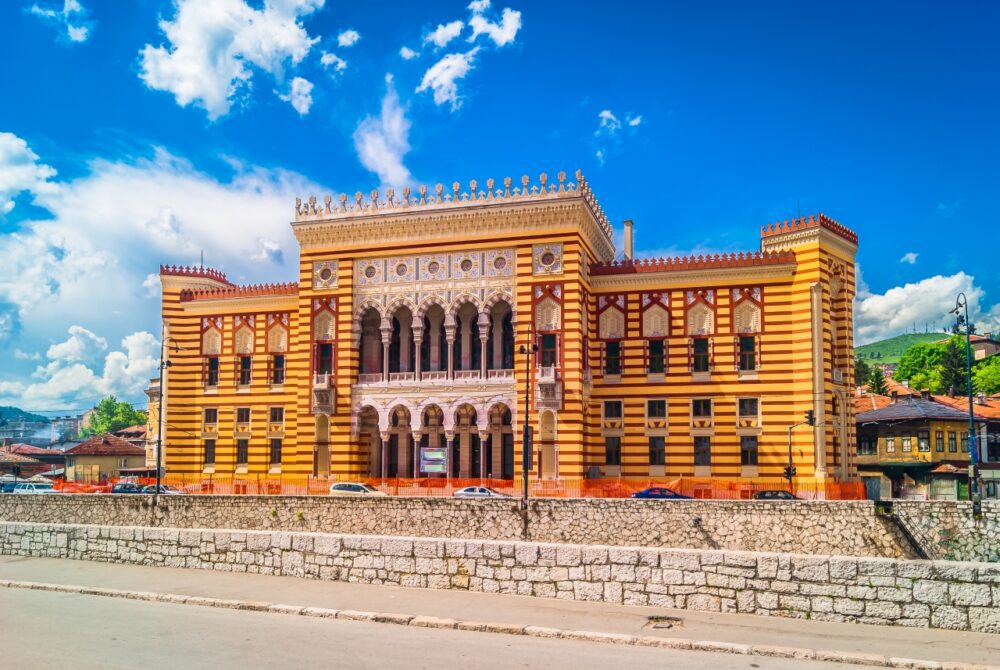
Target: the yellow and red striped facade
pixel 403 336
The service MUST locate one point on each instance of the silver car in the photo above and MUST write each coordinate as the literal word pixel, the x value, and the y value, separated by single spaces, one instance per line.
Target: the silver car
pixel 34 488
pixel 478 492
pixel 354 489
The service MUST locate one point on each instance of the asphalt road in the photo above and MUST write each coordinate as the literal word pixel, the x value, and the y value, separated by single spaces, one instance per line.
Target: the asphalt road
pixel 56 630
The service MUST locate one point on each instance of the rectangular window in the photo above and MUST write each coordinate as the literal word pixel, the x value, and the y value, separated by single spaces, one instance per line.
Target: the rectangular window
pixel 613 451
pixel 703 450
pixel 965 442
pixel 612 409
pixel 701 408
pixel 324 359
pixel 699 355
pixel 657 450
pixel 748 450
pixel 939 441
pixel 242 451
pixel 923 441
pixel 952 444
pixel 656 409
pixel 748 352
pixel 278 369
pixel 212 371
pixel 277 415
pixel 867 445
pixel 907 442
pixel 242 415
pixel 211 416
pixel 209 452
pixel 548 350
pixel 890 443
pixel 657 363
pixel 245 371
pixel 748 408
pixel 612 358
pixel 275 451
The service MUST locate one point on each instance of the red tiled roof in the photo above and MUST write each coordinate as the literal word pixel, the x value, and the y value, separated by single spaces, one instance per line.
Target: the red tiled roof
pixel 989 410
pixel 8 458
pixel 138 429
pixel 869 402
pixel 106 445
pixel 25 449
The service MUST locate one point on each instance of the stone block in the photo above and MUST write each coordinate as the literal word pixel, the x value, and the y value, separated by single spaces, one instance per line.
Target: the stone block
pixel 810 569
pixel 946 616
pixel 984 619
pixel 883 610
pixel 969 594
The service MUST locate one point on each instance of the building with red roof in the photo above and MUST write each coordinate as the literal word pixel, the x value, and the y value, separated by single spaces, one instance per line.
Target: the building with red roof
pixel 102 457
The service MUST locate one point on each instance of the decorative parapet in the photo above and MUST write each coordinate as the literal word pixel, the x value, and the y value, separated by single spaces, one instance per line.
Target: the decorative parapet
pixel 311 210
pixel 680 263
pixel 812 221
pixel 233 291
pixel 193 271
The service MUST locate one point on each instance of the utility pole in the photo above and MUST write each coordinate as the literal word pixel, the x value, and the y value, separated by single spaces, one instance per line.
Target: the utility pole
pixel 961 303
pixel 526 437
pixel 810 420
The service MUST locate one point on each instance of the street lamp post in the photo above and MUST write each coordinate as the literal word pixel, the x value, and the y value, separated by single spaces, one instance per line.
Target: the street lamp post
pixel 962 304
pixel 164 364
pixel 526 446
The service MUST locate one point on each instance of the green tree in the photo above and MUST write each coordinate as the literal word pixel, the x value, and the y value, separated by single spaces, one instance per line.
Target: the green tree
pixel 876 381
pixel 862 371
pixel 986 376
pixel 954 374
pixel 920 358
pixel 111 415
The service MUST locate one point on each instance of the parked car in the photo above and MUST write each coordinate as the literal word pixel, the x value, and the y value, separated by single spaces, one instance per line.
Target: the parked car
pixel 478 492
pixel 659 493
pixel 7 483
pixel 774 495
pixel 34 488
pixel 353 489
pixel 127 487
pixel 164 490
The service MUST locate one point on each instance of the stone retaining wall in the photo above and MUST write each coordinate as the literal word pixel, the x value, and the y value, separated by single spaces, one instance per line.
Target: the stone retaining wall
pixel 939 594
pixel 947 530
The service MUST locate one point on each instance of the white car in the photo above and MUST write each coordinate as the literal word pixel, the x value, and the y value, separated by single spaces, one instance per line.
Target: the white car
pixel 478 492
pixel 354 489
pixel 34 488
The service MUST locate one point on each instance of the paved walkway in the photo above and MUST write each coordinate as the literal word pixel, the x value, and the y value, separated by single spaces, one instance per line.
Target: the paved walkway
pixel 913 643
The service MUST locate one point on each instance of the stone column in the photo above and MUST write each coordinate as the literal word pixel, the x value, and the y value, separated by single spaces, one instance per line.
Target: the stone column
pixel 484 334
pixel 449 438
pixel 449 334
pixel 418 340
pixel 386 331
pixel 383 446
pixel 417 436
pixel 484 434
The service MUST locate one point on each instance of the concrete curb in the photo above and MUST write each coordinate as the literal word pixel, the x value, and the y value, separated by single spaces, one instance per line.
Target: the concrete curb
pixel 856 658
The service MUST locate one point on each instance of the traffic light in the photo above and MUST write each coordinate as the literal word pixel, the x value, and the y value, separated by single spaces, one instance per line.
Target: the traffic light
pixel 789 471
pixel 811 417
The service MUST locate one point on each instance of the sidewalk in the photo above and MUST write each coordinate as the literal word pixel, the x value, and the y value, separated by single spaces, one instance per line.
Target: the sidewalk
pixel 912 643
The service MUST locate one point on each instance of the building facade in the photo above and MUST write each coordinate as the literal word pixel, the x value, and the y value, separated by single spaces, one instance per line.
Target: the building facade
pixel 423 329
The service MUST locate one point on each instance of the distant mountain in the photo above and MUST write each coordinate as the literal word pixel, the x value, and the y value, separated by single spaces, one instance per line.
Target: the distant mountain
pixel 890 351
pixel 13 414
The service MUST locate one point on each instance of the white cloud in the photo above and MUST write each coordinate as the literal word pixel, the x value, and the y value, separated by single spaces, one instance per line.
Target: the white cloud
pixel 93 261
pixel 444 33
pixel 333 60
pixel 479 6
pixel 925 303
pixel 608 123
pixel 348 38
pixel 72 17
pixel 909 257
pixel 600 156
pixel 502 33
pixel 443 75
pixel 212 46
pixel 381 142
pixel 408 54
pixel 948 209
pixel 635 121
pixel 300 95
pixel 20 172
pixel 82 345
pixel 22 355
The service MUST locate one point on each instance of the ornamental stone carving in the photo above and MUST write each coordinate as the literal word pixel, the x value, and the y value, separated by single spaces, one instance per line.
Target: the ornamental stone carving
pixel 324 275
pixel 612 324
pixel 547 259
pixel 548 315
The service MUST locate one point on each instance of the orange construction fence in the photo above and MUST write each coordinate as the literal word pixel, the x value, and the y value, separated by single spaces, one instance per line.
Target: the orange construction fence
pixel 708 488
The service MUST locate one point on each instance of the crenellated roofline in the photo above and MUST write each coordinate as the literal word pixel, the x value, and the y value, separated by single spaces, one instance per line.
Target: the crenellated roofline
pixel 812 221
pixel 683 263
pixel 194 271
pixel 234 291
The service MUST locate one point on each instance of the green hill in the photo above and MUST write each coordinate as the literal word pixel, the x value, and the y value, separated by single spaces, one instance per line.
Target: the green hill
pixel 894 347
pixel 14 414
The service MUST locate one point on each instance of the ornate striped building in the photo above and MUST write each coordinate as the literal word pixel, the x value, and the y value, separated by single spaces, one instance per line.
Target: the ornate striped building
pixel 398 350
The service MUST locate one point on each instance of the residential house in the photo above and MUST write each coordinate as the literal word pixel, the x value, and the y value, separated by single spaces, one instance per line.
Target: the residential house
pixel 49 459
pixel 102 457
pixel 19 465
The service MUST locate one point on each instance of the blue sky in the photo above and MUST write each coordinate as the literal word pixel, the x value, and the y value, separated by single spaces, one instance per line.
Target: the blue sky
pixel 145 132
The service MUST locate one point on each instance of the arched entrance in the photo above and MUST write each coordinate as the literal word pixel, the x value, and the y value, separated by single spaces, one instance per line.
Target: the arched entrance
pixel 398 456
pixel 466 457
pixel 433 438
pixel 499 447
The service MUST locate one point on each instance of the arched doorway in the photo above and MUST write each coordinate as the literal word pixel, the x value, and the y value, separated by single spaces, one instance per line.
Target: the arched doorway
pixel 499 447
pixel 370 346
pixel 433 439
pixel 401 345
pixel 398 457
pixel 500 342
pixel 370 440
pixel 465 452
pixel 434 345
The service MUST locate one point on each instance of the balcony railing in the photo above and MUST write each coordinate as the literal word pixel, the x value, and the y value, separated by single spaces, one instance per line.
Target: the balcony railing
pixel 402 376
pixel 500 375
pixel 546 374
pixel 467 374
pixel 369 377
pixel 322 380
pixel 433 375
